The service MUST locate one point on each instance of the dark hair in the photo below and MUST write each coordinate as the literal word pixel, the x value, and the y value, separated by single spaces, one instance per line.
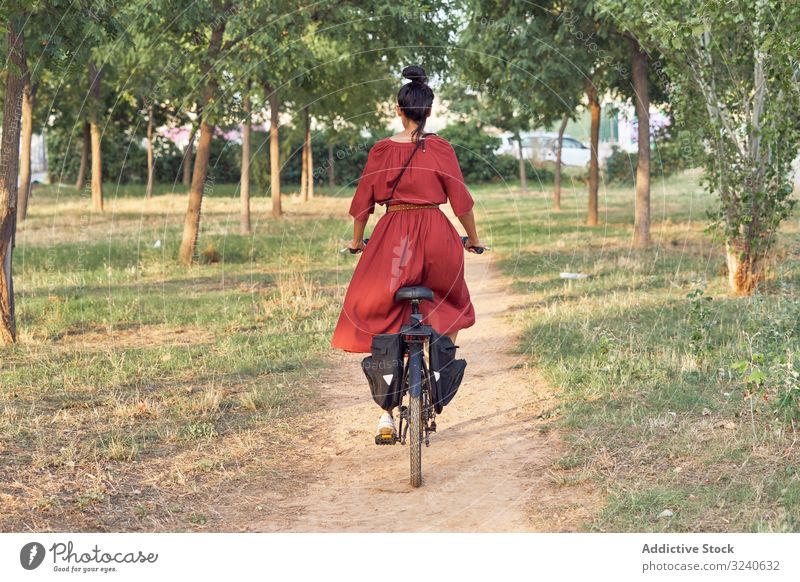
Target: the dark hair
pixel 415 98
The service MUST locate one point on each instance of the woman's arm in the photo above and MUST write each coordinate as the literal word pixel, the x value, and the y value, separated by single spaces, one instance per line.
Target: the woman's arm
pixel 358 235
pixel 468 222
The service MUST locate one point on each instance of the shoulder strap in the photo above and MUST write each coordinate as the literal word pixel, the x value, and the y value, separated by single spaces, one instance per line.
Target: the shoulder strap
pixel 420 142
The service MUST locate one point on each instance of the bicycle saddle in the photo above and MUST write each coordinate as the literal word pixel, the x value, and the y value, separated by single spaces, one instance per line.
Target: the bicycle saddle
pixel 405 293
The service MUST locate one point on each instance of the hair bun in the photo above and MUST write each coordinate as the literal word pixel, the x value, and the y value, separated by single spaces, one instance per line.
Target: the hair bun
pixel 415 73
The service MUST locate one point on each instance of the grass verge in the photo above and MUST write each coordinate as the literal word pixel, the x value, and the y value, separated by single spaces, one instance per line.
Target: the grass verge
pixel 679 400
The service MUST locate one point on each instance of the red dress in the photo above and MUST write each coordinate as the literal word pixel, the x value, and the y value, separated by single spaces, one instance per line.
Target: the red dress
pixel 407 247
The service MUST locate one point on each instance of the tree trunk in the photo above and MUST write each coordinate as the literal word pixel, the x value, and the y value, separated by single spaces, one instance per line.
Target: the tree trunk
pixel 523 174
pixel 150 165
pixel 557 179
pixel 191 223
pixel 310 160
pixel 594 166
pixel 745 269
pixel 331 171
pixel 274 154
pixel 87 141
pixel 187 157
pixel 97 154
pixel 28 103
pixel 304 158
pixel 9 170
pixel 641 227
pixel 245 181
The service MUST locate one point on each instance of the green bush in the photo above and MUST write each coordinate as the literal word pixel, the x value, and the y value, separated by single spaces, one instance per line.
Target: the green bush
pixel 224 163
pixel 507 167
pixel 621 166
pixel 767 363
pixel 168 160
pixel 475 150
pixel 666 158
pixel 349 159
pixel 125 158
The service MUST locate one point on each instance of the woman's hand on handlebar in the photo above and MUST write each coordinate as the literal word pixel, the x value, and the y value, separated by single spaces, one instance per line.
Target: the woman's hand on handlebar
pixel 473 246
pixel 355 247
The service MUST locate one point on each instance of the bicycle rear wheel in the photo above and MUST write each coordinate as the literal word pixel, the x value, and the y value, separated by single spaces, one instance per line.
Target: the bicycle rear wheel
pixel 415 413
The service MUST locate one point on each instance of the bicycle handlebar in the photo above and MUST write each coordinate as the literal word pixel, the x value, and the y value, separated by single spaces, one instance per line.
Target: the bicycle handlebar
pixel 353 251
pixel 464 240
pixel 478 250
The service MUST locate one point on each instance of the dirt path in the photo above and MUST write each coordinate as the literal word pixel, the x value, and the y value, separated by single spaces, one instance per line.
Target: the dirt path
pixel 489 467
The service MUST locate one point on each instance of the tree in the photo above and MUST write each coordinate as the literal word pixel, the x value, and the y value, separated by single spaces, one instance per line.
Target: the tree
pixel 735 74
pixel 331 168
pixel 44 52
pixel 274 151
pixel 557 172
pixel 86 145
pixel 542 57
pixel 646 86
pixel 215 32
pixel 594 143
pixel 150 162
pixel 244 192
pixel 28 103
pixel 188 155
pixel 598 54
pixel 307 173
pixel 211 17
pixel 9 169
pixel 95 104
pixel 641 224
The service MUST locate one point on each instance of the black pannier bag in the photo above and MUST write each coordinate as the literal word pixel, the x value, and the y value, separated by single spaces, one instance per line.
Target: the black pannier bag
pixel 446 371
pixel 384 369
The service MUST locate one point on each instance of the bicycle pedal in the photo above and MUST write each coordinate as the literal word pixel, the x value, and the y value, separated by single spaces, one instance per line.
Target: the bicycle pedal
pixel 385 439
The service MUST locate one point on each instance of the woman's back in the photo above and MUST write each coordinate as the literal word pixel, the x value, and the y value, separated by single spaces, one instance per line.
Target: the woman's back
pixel 433 176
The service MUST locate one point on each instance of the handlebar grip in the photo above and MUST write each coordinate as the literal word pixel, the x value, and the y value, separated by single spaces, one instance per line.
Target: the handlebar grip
pixel 353 251
pixel 478 250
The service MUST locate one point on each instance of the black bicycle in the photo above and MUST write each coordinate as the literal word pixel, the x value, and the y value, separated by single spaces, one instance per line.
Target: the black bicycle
pixel 417 417
pixel 417 412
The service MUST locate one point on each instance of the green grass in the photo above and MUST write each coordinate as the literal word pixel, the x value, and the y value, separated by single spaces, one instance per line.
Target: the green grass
pixel 644 354
pixel 141 391
pixel 130 367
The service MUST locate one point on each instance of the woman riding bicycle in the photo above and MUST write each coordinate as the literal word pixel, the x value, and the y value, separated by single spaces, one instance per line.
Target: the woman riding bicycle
pixel 414 243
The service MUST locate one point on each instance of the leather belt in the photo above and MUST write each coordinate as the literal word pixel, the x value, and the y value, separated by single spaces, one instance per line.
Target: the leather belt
pixel 404 206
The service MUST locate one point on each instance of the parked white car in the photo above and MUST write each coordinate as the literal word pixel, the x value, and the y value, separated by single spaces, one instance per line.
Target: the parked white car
pixel 573 152
pixel 541 147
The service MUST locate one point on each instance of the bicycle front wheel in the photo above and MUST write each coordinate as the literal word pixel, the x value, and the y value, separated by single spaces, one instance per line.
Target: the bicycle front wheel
pixel 415 414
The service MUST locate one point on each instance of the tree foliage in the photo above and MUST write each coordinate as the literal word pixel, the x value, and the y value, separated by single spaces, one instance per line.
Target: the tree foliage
pixel 735 76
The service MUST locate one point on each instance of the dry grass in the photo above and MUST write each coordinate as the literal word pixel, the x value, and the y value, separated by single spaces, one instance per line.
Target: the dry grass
pixel 143 396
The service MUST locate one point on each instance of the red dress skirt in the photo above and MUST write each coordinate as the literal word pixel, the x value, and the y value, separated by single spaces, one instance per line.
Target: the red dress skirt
pixel 407 247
